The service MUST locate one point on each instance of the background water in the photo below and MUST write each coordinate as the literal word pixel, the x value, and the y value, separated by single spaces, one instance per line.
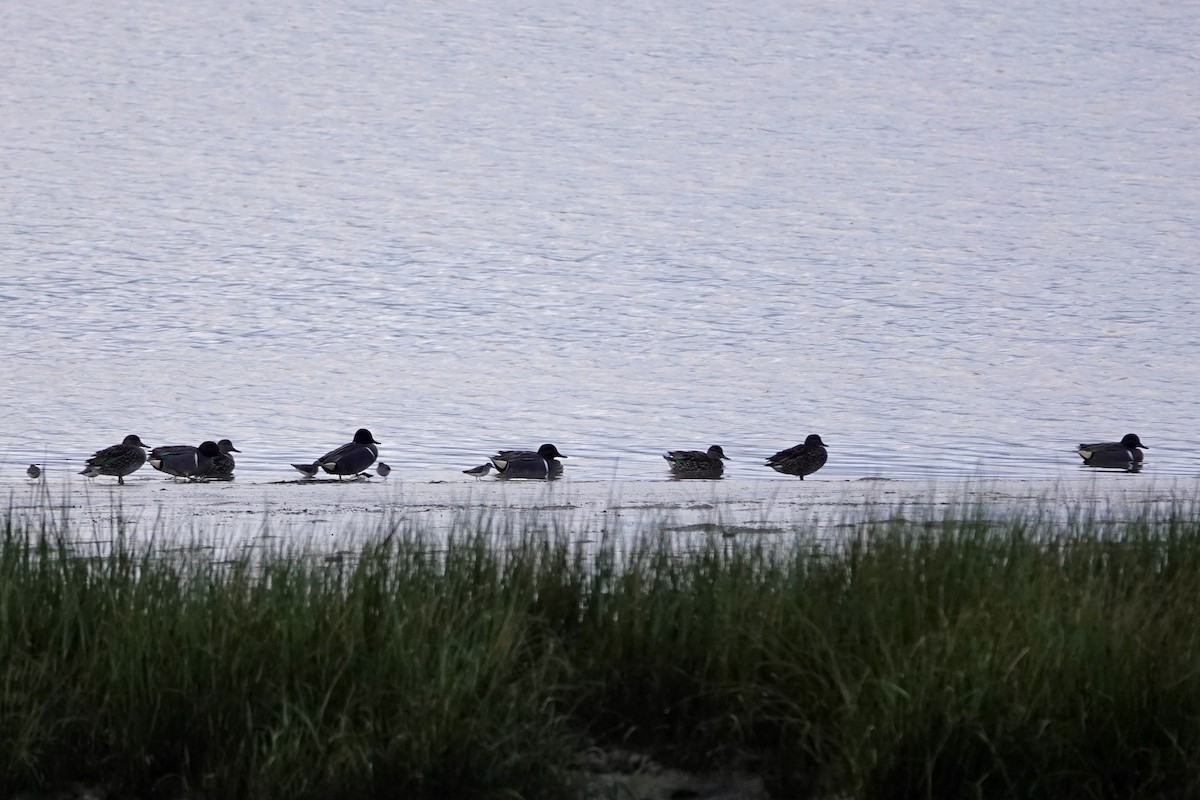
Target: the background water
pixel 950 239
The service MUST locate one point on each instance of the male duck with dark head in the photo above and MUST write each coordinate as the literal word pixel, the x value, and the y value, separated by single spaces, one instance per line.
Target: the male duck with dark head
pixel 696 463
pixel 803 459
pixel 118 460
pixel 219 467
pixel 1124 454
pixel 539 465
pixel 349 459
pixel 182 461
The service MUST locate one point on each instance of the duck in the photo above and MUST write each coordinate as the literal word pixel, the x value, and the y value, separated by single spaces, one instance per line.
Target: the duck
pixel 696 464
pixel 118 460
pixel 222 463
pixel 1114 455
pixel 803 459
pixel 183 461
pixel 349 459
pixel 539 465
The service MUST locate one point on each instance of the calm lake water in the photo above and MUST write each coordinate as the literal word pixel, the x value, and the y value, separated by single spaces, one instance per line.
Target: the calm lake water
pixel 952 240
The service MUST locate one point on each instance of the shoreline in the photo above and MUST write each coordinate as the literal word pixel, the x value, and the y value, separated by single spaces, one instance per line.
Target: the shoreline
pixel 341 511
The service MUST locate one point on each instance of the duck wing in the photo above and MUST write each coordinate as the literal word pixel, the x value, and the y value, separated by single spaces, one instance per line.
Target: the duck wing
pixel 784 455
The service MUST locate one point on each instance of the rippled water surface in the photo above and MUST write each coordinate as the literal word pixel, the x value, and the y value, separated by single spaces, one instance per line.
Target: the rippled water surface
pixel 951 240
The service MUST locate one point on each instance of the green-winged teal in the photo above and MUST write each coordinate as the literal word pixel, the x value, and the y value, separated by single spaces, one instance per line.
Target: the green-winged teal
pixel 349 459
pixel 184 461
pixel 696 463
pixel 803 459
pixel 118 460
pixel 223 463
pixel 1114 455
pixel 539 465
pixel 220 468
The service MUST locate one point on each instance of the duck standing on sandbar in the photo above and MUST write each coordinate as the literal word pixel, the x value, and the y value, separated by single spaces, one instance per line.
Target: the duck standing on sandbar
pixel 349 459
pixel 1114 455
pixel 696 463
pixel 118 460
pixel 223 463
pixel 803 459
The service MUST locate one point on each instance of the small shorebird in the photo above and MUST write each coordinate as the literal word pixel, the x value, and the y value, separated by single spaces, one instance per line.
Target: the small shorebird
pixel 383 470
pixel 696 463
pixel 349 459
pixel 803 459
pixel 480 471
pixel 118 460
pixel 1114 455
pixel 34 471
pixel 309 470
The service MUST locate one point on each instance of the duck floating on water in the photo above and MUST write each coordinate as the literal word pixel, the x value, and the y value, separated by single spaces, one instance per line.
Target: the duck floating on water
pixel 696 463
pixel 535 465
pixel 1114 455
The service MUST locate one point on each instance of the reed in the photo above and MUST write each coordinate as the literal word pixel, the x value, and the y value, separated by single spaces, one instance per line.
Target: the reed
pixel 968 655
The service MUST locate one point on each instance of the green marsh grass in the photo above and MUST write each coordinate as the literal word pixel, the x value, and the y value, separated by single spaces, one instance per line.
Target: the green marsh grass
pixel 968 655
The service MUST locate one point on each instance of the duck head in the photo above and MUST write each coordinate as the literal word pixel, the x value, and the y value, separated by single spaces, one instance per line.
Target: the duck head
pixel 548 451
pixel 363 436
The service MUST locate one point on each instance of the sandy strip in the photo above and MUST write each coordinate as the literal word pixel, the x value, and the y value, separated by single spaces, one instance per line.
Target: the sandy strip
pixel 336 512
